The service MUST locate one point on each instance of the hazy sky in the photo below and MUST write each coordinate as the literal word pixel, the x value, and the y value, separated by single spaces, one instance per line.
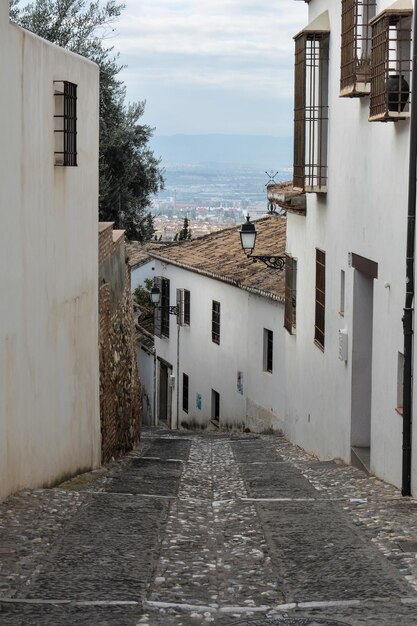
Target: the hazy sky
pixel 211 66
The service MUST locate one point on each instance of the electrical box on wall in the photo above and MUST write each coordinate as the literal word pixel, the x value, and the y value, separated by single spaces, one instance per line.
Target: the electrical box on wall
pixel 343 344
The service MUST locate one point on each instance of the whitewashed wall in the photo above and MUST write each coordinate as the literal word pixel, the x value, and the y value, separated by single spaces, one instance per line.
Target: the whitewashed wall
pixel 363 212
pixel 211 366
pixel 140 273
pixel 49 377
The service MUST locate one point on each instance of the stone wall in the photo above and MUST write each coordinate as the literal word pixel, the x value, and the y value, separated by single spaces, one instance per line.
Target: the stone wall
pixel 119 381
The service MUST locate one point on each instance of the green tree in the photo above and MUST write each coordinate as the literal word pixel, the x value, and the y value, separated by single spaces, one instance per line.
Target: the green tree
pixel 185 232
pixel 129 171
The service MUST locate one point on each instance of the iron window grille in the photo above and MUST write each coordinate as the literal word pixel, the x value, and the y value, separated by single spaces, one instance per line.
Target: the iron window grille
pixel 268 350
pixel 319 326
pixel 65 123
pixel 355 68
pixel 215 322
pixel 185 393
pixel 290 312
pixel 311 111
pixel 391 66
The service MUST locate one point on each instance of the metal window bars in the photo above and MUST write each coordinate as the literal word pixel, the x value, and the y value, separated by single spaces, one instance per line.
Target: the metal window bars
pixel 391 66
pixel 355 68
pixel 65 123
pixel 311 112
pixel 319 326
pixel 290 311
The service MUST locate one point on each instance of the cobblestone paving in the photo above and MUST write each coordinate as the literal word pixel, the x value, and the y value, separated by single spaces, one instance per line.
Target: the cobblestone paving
pixel 216 529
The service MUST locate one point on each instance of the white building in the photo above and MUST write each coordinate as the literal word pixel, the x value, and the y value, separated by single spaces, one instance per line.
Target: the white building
pixel 348 248
pixel 220 360
pixel 49 373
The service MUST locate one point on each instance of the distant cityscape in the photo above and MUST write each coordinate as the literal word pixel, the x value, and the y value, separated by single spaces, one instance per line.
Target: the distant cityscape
pixel 212 196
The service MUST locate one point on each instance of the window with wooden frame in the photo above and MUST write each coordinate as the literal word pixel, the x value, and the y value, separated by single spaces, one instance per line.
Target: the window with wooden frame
pixel 355 68
pixel 215 322
pixel 319 325
pixel 311 111
pixel 65 123
pixel 290 313
pixel 268 351
pixel 185 393
pixel 183 306
pixel 391 66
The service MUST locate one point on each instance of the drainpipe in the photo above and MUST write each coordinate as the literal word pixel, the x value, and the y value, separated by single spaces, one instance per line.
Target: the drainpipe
pixel 409 297
pixel 178 375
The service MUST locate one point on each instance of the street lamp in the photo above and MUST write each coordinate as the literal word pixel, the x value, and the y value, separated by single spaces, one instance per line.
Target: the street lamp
pixel 156 298
pixel 247 239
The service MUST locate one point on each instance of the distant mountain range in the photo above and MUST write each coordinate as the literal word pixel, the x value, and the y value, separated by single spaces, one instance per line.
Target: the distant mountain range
pixel 261 151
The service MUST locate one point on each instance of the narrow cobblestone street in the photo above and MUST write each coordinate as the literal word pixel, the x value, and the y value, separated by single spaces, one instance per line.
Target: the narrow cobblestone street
pixel 219 529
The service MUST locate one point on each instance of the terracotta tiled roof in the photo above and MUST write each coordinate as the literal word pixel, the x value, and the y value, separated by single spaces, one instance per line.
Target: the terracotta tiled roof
pixel 136 253
pixel 219 255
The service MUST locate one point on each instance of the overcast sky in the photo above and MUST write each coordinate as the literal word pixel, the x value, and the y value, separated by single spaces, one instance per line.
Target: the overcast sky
pixel 211 66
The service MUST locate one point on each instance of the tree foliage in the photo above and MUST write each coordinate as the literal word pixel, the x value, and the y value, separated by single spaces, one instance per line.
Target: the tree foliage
pixel 185 232
pixel 129 171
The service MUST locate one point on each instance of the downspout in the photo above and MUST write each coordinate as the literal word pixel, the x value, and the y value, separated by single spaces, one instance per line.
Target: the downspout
pixel 178 375
pixel 409 297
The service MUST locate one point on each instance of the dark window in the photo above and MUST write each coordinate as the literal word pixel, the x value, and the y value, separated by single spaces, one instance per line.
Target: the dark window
pixel 320 297
pixel 268 350
pixel 311 111
pixel 391 66
pixel 215 405
pixel 215 322
pixel 290 293
pixel 185 393
pixel 165 307
pixel 187 303
pixel 355 69
pixel 65 118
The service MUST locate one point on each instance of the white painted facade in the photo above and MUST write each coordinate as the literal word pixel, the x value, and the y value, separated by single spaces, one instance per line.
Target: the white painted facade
pixel 259 403
pixel 364 212
pixel 49 373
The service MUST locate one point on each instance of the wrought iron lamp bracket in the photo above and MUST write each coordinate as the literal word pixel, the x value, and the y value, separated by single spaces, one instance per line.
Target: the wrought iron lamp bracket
pixel 172 310
pixel 273 262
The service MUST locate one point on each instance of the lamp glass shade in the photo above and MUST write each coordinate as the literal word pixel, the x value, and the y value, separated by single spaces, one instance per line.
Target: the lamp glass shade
pixel 248 235
pixel 155 295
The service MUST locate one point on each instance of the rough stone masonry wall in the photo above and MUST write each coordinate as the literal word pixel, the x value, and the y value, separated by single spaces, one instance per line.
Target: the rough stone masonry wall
pixel 120 408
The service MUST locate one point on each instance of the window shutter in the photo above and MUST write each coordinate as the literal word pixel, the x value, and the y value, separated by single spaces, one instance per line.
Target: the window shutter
pixel 180 306
pixel 288 315
pixel 157 310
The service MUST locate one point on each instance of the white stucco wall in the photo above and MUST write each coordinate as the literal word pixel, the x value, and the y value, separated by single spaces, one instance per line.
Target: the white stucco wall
pixel 140 273
pixel 49 378
pixel 364 212
pixel 147 370
pixel 211 366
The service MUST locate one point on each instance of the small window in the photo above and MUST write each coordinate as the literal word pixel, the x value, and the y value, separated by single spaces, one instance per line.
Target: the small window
pixel 185 393
pixel 65 118
pixel 342 293
pixel 320 298
pixel 400 383
pixel 268 350
pixel 355 69
pixel 215 322
pixel 311 111
pixel 391 66
pixel 215 405
pixel 290 316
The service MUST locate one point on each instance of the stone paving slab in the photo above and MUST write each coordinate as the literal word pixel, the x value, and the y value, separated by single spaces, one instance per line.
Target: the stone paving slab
pixel 275 480
pixel 63 615
pixel 258 451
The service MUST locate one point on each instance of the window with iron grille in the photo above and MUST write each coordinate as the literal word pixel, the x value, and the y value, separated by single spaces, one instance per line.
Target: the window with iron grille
pixel 185 393
pixel 391 66
pixel 290 316
pixel 355 68
pixel 268 350
pixel 65 119
pixel 311 111
pixel 215 322
pixel 320 298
